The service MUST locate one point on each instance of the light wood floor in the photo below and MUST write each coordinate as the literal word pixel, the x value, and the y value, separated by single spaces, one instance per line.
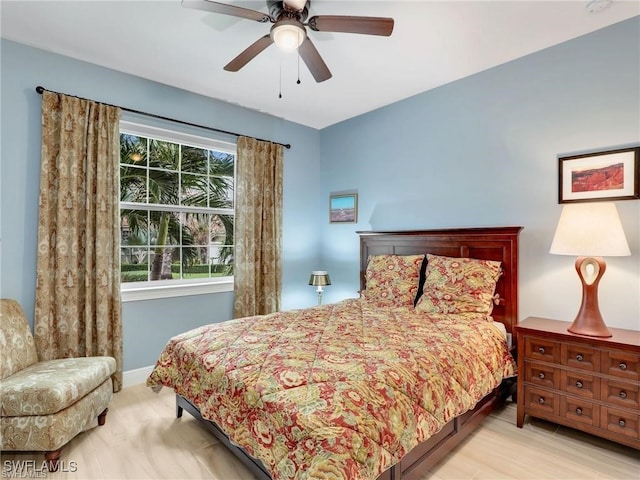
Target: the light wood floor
pixel 142 439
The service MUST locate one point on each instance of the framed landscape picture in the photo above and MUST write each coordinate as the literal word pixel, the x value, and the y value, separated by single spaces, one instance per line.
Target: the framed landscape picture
pixel 343 208
pixel 600 176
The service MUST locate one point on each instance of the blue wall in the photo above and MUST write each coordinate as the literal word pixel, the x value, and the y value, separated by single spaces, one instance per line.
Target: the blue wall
pixel 479 151
pixel 147 324
pixel 483 151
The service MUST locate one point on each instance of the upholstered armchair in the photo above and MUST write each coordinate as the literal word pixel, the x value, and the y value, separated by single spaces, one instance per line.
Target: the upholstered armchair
pixel 46 404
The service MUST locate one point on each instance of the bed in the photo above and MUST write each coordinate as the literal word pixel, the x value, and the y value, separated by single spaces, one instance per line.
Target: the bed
pixel 382 386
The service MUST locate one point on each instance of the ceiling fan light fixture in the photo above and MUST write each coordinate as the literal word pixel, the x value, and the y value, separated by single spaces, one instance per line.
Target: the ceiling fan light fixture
pixel 288 34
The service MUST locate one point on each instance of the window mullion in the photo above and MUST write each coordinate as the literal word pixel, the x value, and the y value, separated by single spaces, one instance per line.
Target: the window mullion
pixel 161 207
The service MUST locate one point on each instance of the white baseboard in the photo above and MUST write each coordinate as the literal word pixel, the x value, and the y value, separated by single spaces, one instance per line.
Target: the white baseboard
pixel 136 376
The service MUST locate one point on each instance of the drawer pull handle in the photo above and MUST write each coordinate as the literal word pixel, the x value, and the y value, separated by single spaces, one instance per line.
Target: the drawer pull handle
pixel 622 423
pixel 622 394
pixel 579 384
pixel 541 375
pixel 579 357
pixel 578 411
pixel 623 366
pixel 541 400
pixel 541 350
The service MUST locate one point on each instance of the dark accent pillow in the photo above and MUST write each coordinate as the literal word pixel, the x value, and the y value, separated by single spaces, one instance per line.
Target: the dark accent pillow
pixel 421 280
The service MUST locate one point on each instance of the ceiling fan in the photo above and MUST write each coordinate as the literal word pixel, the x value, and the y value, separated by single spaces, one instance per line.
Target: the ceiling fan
pixel 289 30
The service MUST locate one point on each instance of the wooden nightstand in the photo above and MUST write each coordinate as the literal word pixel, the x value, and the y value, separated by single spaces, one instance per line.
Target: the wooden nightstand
pixel 588 383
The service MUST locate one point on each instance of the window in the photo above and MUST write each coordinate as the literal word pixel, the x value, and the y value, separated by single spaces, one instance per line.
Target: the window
pixel 177 201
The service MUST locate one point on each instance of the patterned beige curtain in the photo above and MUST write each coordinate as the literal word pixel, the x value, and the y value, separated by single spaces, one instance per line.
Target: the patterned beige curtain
pixel 78 307
pixel 258 228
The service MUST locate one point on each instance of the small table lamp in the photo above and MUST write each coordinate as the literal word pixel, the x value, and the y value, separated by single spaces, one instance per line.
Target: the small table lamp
pixel 590 231
pixel 320 279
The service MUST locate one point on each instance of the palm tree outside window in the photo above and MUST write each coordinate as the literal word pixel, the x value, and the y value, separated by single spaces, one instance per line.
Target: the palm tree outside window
pixel 177 207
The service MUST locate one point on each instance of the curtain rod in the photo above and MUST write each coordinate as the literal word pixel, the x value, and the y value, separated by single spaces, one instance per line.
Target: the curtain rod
pixel 41 89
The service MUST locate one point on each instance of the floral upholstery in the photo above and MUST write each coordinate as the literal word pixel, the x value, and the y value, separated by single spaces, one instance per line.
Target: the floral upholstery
pixel 48 387
pixel 392 279
pixel 43 433
pixel 459 285
pixel 340 391
pixel 16 341
pixel 45 404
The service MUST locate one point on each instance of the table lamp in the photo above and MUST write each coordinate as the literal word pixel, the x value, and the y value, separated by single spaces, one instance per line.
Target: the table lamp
pixel 320 279
pixel 590 231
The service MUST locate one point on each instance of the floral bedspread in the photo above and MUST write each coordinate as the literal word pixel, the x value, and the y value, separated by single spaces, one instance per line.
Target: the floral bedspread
pixel 339 391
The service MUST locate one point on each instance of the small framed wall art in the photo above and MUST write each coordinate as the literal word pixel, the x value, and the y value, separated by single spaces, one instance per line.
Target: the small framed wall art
pixel 343 208
pixel 600 176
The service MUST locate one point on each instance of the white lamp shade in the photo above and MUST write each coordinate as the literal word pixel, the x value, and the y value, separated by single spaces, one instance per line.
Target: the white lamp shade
pixel 591 229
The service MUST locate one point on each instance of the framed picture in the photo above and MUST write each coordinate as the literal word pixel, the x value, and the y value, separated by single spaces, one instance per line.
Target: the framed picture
pixel 600 176
pixel 343 208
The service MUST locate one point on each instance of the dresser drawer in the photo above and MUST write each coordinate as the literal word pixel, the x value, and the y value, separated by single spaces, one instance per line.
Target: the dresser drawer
pixel 583 357
pixel 543 375
pixel 620 393
pixel 621 421
pixel 539 400
pixel 580 410
pixel 541 349
pixel 621 364
pixel 579 383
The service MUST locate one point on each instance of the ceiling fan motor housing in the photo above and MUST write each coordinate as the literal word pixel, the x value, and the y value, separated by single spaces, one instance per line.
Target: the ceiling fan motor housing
pixel 278 11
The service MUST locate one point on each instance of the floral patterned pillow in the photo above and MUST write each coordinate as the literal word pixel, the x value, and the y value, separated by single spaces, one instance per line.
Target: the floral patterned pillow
pixel 459 285
pixel 392 279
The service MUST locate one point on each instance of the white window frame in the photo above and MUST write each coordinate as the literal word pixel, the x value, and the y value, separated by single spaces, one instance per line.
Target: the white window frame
pixel 134 291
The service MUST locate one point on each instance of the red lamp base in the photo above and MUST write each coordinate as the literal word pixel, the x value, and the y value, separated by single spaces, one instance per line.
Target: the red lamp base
pixel 589 321
pixel 589 326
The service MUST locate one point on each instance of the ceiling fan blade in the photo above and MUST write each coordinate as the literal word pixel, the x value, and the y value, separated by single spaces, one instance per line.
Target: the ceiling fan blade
pixel 248 54
pixel 225 9
pixel 314 61
pixel 346 24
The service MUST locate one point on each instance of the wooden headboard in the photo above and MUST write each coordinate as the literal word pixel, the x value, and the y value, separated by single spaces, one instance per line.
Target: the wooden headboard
pixel 491 243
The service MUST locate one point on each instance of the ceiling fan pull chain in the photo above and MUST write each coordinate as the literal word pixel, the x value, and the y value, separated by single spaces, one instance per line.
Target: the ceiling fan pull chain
pixel 280 86
pixel 298 51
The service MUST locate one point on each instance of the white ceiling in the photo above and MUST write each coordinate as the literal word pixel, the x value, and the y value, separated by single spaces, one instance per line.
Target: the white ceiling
pixel 433 43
